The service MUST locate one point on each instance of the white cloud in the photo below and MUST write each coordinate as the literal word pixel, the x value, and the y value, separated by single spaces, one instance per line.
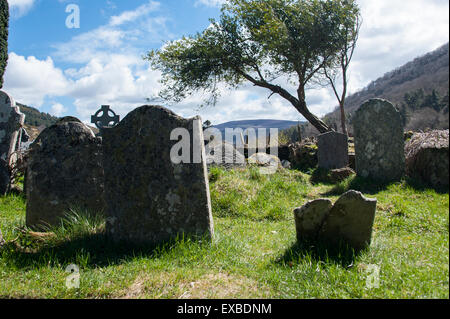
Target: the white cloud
pixel 129 34
pixel 58 109
pixel 395 32
pixel 210 3
pixel 31 80
pixel 129 16
pixel 20 7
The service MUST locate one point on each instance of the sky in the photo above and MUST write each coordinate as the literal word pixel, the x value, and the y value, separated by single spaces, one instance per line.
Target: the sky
pixel 64 68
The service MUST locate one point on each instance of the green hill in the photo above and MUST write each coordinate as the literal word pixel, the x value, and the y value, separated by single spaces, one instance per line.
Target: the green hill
pixel 419 89
pixel 34 117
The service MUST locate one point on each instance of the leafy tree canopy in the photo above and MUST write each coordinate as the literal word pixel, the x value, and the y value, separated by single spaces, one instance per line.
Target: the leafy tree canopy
pixel 259 41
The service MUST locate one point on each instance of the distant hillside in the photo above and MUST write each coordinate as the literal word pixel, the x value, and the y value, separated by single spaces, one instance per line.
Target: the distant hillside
pixel 420 88
pixel 34 117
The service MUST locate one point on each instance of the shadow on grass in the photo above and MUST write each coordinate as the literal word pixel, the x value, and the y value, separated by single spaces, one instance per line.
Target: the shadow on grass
pixel 342 255
pixel 357 183
pixel 420 186
pixel 320 176
pixel 91 251
pixel 17 193
pixel 370 186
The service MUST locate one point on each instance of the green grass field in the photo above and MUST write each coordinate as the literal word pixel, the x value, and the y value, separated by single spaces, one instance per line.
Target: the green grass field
pixel 254 253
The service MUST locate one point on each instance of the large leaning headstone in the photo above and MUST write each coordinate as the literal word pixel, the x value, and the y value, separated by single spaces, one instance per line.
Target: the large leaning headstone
pixel 150 198
pixel 64 173
pixel 379 141
pixel 11 122
pixel 333 150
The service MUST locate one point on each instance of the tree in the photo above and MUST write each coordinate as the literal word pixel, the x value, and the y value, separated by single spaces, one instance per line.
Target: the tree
pixel 433 101
pixel 258 41
pixel 349 35
pixel 4 23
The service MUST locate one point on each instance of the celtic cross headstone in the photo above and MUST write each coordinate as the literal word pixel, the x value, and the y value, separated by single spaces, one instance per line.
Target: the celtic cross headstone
pixel 105 118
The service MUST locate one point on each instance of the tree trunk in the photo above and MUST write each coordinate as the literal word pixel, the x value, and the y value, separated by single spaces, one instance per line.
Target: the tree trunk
pixel 314 120
pixel 343 124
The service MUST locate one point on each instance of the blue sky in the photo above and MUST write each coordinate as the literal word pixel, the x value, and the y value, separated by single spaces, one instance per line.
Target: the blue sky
pixel 72 71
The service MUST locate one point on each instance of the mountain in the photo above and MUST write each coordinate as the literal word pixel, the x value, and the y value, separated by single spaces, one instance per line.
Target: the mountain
pixel 419 89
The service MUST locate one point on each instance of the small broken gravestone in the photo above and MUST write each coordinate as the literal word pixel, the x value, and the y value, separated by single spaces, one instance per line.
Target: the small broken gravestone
pixel 379 141
pixel 333 150
pixel 349 221
pixel 11 122
pixel 150 198
pixel 64 173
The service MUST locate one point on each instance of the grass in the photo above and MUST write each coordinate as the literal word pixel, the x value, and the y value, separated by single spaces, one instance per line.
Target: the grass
pixel 254 253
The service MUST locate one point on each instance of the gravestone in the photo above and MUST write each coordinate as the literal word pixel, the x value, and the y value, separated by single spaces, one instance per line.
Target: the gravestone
pixel 64 172
pixel 310 217
pixel 379 141
pixel 11 121
pixel 333 150
pixel 149 197
pixel 349 221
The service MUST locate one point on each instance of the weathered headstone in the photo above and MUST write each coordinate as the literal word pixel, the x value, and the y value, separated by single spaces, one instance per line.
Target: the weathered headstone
pixel 333 150
pixel 64 172
pixel 150 198
pixel 11 121
pixel 379 141
pixel 349 221
pixel 310 217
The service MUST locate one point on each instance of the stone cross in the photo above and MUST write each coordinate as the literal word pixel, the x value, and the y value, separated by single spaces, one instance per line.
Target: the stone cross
pixel 105 120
